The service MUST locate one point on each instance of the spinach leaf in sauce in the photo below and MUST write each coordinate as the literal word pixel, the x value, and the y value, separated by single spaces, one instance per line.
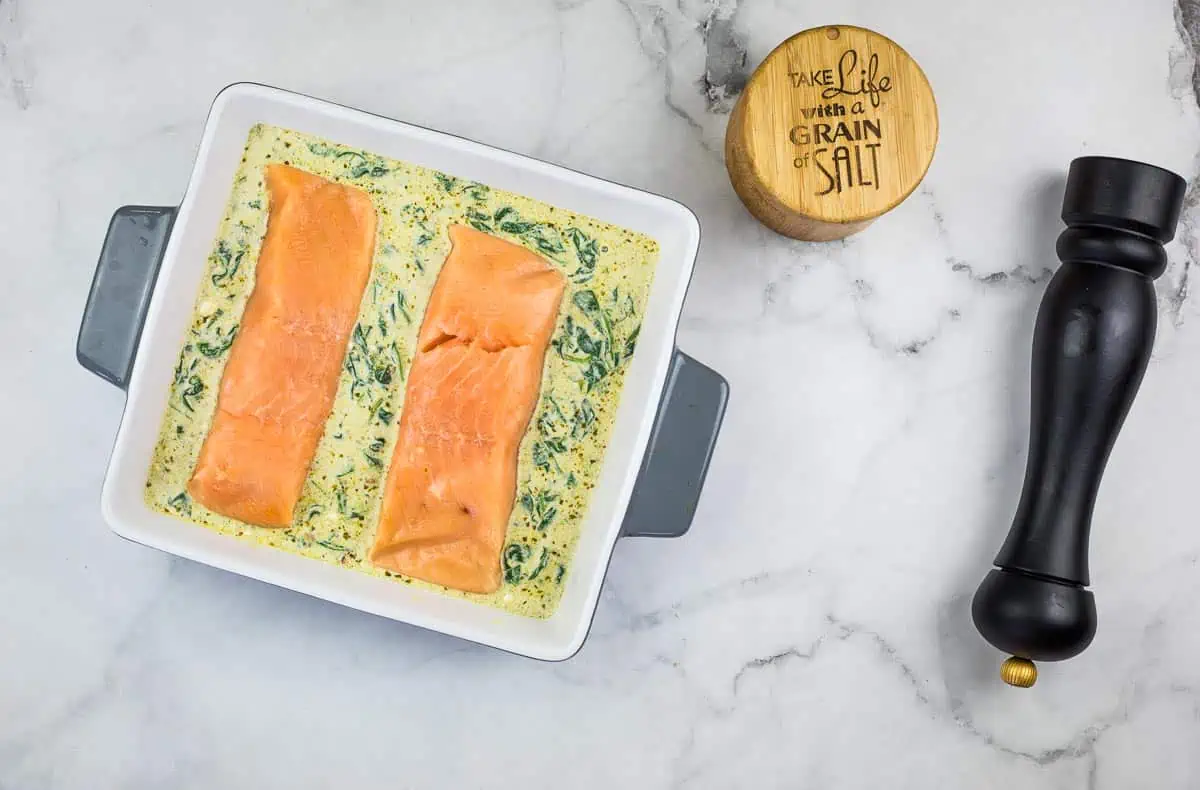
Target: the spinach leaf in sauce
pixel 472 189
pixel 357 164
pixel 332 546
pixel 515 556
pixel 598 351
pixel 509 221
pixel 421 223
pixel 368 167
pixel 542 236
pixel 374 359
pixel 583 419
pixel 587 250
pixel 226 262
pixel 479 220
pixel 402 306
pixel 219 345
pixel 540 507
pixel 374 447
pixel 195 388
pixel 541 566
pixel 545 452
pixel 631 341
pixel 181 503
pixel 343 503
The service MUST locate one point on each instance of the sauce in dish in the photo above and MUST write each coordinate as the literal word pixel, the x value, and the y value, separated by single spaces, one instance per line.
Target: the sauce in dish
pixel 604 274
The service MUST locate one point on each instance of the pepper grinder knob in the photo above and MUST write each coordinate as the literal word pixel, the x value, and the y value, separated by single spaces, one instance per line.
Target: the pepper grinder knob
pixel 1091 344
pixel 1019 672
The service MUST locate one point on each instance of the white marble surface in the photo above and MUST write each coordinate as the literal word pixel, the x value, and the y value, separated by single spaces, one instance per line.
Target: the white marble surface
pixel 813 630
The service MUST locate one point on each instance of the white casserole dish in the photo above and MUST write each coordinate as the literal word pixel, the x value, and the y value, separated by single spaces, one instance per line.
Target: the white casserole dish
pixel 143 241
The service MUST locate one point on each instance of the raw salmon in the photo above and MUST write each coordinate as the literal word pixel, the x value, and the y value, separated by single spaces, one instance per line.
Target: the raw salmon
pixel 472 387
pixel 279 384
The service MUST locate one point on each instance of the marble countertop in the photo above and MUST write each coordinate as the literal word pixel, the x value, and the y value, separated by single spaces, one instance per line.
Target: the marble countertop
pixel 813 628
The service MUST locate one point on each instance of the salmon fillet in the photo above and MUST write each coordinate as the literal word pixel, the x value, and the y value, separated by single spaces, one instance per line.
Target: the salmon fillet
pixel 472 388
pixel 279 383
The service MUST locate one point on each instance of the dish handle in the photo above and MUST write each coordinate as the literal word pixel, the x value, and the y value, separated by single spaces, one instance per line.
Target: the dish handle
pixel 121 288
pixel 680 448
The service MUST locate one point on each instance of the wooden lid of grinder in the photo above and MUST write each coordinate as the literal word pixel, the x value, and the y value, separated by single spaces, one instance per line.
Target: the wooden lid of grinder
pixel 835 128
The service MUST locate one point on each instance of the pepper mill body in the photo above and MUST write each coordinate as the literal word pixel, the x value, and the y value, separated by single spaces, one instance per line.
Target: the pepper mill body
pixel 1092 342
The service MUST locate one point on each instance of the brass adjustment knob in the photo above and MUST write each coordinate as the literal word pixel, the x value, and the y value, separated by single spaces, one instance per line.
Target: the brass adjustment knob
pixel 1019 672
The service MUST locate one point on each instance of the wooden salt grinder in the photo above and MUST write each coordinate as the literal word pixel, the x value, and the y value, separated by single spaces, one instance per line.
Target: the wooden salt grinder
pixel 835 128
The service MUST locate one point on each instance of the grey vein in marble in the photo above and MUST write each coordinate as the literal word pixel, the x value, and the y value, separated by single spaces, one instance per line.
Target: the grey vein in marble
pixel 725 71
pixel 16 68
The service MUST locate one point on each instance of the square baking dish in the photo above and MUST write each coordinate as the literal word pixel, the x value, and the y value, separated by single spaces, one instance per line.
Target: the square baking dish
pixel 141 303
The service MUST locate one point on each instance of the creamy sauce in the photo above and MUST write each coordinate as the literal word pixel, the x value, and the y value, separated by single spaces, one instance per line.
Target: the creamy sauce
pixel 609 270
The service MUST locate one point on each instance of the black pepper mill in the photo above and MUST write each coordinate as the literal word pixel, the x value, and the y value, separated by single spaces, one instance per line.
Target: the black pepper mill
pixel 1092 341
